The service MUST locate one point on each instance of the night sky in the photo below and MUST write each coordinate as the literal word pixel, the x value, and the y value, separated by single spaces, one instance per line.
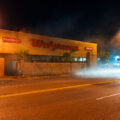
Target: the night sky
pixel 72 20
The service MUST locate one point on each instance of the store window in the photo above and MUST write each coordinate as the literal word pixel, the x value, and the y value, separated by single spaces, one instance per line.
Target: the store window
pixel 82 59
pixel 45 58
pixel 75 59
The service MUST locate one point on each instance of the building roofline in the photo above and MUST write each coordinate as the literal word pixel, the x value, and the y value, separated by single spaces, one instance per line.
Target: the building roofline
pixel 49 36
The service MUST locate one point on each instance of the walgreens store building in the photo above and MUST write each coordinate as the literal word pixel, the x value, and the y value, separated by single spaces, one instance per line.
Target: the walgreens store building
pixel 47 54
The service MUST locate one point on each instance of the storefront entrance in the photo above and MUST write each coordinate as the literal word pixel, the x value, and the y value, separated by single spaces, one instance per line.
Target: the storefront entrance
pixel 10 67
pixel 88 59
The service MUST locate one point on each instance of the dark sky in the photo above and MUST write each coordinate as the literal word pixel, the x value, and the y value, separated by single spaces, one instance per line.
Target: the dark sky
pixel 74 20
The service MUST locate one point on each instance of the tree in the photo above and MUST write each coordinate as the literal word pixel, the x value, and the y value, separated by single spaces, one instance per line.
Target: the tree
pixel 104 56
pixel 102 49
pixel 101 43
pixel 21 55
pixel 68 56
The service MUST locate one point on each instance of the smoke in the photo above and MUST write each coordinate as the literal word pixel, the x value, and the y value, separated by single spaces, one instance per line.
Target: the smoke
pixel 60 27
pixel 101 71
pixel 114 44
pixel 116 40
pixel 110 69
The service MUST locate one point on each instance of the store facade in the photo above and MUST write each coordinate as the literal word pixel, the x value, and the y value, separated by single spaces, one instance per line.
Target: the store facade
pixel 44 50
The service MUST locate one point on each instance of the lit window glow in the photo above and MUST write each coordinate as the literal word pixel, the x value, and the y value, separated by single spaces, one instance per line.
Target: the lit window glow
pixel 75 59
pixel 84 59
pixel 80 59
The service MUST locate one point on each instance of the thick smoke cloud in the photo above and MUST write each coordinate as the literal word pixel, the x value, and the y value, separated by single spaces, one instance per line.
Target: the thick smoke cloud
pixel 116 39
pixel 115 42
pixel 62 26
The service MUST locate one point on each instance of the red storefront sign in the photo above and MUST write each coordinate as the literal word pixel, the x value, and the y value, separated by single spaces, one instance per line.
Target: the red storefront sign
pixel 88 48
pixel 12 40
pixel 52 45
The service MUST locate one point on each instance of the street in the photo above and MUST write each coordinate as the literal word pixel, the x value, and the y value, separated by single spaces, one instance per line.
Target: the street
pixel 65 98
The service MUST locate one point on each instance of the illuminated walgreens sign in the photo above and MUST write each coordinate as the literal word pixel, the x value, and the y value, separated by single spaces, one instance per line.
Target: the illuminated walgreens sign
pixel 12 40
pixel 88 48
pixel 52 45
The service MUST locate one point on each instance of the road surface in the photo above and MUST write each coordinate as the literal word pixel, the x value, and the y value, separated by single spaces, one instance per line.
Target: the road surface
pixel 66 98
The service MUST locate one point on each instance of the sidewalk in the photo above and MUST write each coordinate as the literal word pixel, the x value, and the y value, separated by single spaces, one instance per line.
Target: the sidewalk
pixel 32 77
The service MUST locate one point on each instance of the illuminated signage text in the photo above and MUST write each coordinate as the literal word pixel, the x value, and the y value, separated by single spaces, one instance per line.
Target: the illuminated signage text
pixel 7 39
pixel 53 46
pixel 88 48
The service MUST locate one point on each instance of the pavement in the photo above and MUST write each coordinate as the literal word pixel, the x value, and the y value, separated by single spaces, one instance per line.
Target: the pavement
pixel 60 98
pixel 33 77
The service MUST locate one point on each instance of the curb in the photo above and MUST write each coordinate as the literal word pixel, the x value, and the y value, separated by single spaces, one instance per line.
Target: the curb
pixel 34 77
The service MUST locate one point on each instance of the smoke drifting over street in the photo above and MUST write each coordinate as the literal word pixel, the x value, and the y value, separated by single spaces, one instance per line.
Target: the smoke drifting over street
pixel 101 71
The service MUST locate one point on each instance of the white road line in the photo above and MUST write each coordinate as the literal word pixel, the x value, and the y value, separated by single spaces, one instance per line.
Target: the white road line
pixel 108 96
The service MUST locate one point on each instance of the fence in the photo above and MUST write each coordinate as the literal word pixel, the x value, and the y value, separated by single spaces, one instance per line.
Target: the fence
pixel 40 68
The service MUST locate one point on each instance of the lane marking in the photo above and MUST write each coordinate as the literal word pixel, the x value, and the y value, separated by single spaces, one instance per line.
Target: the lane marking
pixel 108 96
pixel 53 89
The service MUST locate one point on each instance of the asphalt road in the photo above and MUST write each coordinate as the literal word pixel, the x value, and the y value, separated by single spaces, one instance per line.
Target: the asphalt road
pixel 60 99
